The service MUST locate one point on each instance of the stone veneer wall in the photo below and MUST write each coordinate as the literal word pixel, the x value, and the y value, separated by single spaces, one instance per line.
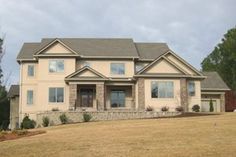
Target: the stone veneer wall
pixel 100 96
pixel 73 95
pixel 141 94
pixel 184 94
pixel 77 116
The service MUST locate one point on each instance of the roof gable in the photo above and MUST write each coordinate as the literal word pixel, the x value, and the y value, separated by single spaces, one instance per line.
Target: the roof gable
pixel 85 73
pixel 55 47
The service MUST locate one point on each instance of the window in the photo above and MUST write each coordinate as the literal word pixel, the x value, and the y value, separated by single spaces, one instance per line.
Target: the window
pixel 30 97
pixel 56 94
pixel 118 68
pixel 162 89
pixel 191 88
pixel 56 66
pixel 117 98
pixel 30 70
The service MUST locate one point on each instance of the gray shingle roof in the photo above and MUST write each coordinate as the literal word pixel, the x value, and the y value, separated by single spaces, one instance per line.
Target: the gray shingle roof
pixel 213 82
pixel 13 91
pixel 151 50
pixel 27 51
pixel 100 47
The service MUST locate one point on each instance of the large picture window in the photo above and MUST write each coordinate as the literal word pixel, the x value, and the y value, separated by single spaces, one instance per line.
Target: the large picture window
pixel 162 89
pixel 191 88
pixel 56 66
pixel 118 68
pixel 117 98
pixel 30 97
pixel 56 94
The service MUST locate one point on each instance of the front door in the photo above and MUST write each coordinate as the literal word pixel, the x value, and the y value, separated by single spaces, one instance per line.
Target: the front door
pixel 86 97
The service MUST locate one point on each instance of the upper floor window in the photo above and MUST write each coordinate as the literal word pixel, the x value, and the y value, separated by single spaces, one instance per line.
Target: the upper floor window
pixel 164 89
pixel 118 68
pixel 56 94
pixel 191 88
pixel 56 66
pixel 30 97
pixel 30 70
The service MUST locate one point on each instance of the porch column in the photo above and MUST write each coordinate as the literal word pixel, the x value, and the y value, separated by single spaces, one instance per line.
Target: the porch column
pixel 72 95
pixel 100 95
pixel 184 94
pixel 222 103
pixel 133 97
pixel 141 94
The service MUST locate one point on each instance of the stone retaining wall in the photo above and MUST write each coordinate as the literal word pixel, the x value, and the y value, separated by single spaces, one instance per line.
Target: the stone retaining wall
pixel 77 116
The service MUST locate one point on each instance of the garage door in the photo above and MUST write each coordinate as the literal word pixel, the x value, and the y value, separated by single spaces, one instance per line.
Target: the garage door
pixel 206 107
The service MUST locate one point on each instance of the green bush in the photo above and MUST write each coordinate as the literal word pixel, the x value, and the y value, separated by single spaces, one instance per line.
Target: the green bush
pixel 87 117
pixel 27 123
pixel 196 108
pixel 45 121
pixel 211 106
pixel 63 118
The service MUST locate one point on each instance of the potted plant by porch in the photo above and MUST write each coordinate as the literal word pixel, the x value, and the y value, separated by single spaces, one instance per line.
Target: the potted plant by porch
pixel 164 110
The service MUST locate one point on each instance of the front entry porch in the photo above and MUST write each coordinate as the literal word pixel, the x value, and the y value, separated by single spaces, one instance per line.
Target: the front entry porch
pixel 100 96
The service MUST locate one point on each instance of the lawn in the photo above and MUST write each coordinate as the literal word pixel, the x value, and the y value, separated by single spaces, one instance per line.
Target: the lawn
pixel 206 136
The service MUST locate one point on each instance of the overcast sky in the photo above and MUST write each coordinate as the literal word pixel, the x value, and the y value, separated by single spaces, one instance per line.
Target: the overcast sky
pixel 190 27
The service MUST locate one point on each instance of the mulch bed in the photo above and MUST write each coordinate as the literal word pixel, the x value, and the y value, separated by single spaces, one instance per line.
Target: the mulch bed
pixel 195 114
pixel 14 135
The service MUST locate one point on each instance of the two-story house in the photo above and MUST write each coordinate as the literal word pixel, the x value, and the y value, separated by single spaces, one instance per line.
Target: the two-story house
pixel 104 74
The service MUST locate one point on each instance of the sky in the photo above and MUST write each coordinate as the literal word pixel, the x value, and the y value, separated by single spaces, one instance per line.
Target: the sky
pixel 191 28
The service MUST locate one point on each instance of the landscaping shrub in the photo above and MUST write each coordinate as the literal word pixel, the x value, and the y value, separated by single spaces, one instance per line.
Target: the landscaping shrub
pixel 179 109
pixel 165 109
pixel 196 108
pixel 27 123
pixel 211 106
pixel 149 108
pixel 45 121
pixel 63 118
pixel 87 117
pixel 55 109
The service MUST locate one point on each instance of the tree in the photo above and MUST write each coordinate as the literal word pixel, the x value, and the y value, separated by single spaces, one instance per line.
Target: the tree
pixel 211 106
pixel 223 59
pixel 4 102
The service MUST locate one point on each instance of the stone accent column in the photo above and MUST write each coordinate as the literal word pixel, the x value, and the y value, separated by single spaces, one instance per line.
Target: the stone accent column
pixel 72 95
pixel 222 103
pixel 183 94
pixel 133 97
pixel 141 94
pixel 100 96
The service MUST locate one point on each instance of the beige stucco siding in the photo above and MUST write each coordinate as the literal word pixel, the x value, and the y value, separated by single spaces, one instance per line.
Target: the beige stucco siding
pixel 29 79
pixel 57 48
pixel 180 64
pixel 103 67
pixel 163 66
pixel 157 103
pixel 195 100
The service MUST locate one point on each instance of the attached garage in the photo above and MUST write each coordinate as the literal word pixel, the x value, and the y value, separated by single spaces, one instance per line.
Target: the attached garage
pixel 213 88
pixel 205 105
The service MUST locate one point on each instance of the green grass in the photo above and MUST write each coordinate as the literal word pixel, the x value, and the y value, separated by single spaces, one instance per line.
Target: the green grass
pixel 206 136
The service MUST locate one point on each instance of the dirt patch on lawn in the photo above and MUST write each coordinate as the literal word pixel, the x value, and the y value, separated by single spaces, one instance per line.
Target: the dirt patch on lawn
pixel 5 136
